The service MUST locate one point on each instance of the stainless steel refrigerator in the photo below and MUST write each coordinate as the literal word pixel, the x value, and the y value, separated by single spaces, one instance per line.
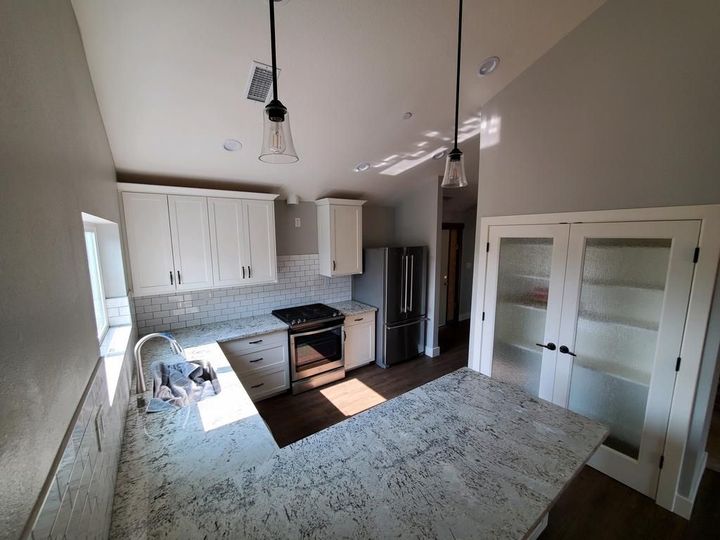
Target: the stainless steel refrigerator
pixel 394 280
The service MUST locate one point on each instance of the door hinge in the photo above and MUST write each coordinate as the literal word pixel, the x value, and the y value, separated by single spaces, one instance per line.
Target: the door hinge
pixel 696 255
pixel 662 461
pixel 487 247
pixel 483 316
pixel 677 364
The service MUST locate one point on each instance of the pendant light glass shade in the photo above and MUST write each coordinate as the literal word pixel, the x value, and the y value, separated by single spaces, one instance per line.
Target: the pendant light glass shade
pixel 454 176
pixel 277 144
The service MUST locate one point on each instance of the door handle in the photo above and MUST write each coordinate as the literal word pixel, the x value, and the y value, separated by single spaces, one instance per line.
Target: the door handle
pixel 172 281
pixel 257 385
pixel 255 342
pixel 179 280
pixel 243 272
pixel 249 272
pixel 412 279
pixel 334 265
pixel 256 360
pixel 550 346
pixel 563 349
pixel 403 290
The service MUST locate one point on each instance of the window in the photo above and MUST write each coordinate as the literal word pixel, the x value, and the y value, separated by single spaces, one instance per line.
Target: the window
pixel 98 293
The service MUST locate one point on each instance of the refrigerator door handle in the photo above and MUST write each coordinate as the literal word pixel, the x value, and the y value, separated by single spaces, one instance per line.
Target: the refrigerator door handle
pixel 412 273
pixel 403 285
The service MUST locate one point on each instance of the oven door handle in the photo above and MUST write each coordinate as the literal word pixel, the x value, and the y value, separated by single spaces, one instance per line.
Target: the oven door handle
pixel 312 332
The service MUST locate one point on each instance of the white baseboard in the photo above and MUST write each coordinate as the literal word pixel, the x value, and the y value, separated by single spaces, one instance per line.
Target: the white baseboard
pixel 464 316
pixel 432 351
pixel 684 505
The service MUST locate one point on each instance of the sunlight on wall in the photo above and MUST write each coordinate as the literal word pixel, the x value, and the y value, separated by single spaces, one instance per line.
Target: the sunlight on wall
pixel 490 132
pixel 363 397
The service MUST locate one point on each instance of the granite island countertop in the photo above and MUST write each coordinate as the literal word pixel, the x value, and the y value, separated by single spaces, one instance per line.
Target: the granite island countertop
pixel 464 456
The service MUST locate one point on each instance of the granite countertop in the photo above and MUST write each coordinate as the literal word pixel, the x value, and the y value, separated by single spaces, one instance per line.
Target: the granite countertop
pixel 464 456
pixel 352 307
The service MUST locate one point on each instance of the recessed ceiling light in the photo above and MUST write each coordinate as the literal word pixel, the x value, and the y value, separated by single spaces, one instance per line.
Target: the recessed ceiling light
pixel 488 65
pixel 362 166
pixel 231 145
pixel 440 155
pixel 407 116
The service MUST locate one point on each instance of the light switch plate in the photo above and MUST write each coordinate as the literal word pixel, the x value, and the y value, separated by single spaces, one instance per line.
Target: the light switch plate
pixel 297 223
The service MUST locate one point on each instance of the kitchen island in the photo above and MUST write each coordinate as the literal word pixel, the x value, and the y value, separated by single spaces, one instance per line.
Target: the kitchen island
pixel 464 456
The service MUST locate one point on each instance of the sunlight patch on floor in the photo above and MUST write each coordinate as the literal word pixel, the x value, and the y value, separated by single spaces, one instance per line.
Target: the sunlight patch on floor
pixel 352 396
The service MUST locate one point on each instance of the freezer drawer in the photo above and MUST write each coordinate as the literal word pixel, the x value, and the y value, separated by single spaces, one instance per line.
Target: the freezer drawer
pixel 403 342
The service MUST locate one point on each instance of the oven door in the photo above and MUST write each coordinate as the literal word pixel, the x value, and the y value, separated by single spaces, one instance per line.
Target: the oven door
pixel 316 351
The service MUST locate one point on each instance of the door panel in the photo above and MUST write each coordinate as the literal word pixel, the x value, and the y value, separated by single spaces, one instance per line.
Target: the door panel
pixel 147 228
pixel 228 240
pixel 404 342
pixel 359 345
pixel 416 261
pixel 523 300
pixel 395 285
pixel 346 228
pixel 260 255
pixel 190 229
pixel 626 296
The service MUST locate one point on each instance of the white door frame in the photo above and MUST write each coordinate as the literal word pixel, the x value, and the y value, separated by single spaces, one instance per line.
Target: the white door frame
pixel 696 323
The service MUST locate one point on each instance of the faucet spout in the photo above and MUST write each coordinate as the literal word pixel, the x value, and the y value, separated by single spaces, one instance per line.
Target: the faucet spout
pixel 174 345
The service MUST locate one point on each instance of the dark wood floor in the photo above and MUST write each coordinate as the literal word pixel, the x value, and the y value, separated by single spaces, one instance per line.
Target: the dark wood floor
pixel 593 507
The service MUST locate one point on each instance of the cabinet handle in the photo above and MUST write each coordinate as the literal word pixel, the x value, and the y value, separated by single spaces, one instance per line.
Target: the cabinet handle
pixel 243 272
pixel 333 265
pixel 563 349
pixel 257 385
pixel 257 360
pixel 172 282
pixel 550 346
pixel 179 280
pixel 358 320
pixel 255 342
pixel 249 273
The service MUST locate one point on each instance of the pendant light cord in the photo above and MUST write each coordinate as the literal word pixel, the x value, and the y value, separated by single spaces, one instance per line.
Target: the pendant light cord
pixel 272 48
pixel 457 81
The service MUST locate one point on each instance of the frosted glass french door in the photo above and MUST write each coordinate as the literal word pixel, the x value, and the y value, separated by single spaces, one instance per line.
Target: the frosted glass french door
pixel 624 305
pixel 523 301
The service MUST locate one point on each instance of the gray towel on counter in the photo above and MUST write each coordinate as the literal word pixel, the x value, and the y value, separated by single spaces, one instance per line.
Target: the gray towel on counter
pixel 178 385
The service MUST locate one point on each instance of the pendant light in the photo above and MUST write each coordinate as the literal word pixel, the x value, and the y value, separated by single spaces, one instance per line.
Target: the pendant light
pixel 277 144
pixel 454 176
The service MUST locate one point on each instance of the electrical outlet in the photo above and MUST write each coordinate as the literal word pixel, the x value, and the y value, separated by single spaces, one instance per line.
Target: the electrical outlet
pixel 297 223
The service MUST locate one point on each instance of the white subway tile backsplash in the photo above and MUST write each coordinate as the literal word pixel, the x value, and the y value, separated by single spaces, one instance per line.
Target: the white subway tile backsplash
pixel 298 283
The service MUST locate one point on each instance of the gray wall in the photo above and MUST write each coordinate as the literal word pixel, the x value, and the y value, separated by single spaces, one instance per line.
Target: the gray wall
pixel 54 163
pixel 621 113
pixel 378 227
pixel 417 223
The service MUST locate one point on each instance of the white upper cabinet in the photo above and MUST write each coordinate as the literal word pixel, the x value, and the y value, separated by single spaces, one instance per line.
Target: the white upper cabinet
pixel 183 239
pixel 260 247
pixel 190 242
pixel 147 229
pixel 340 236
pixel 243 241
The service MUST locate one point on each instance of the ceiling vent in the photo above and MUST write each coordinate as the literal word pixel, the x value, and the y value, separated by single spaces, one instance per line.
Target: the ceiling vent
pixel 259 81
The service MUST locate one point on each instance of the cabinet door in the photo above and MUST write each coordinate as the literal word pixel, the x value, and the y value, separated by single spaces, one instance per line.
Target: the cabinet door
pixel 228 238
pixel 147 229
pixel 359 345
pixel 623 316
pixel 190 230
pixel 346 239
pixel 523 300
pixel 260 256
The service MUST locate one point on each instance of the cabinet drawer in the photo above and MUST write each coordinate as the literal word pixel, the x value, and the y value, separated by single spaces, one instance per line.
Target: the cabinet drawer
pixel 237 347
pixel 254 360
pixel 352 320
pixel 262 384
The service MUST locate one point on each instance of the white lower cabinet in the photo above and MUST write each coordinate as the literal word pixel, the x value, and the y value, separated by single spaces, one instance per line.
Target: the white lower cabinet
pixel 261 363
pixel 359 340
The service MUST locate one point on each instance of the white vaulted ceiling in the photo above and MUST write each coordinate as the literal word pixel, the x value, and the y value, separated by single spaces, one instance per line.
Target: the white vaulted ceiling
pixel 170 78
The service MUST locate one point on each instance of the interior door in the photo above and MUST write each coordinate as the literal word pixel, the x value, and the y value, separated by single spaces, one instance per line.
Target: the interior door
pixel 260 244
pixel 147 228
pixel 625 301
pixel 346 230
pixel 523 299
pixel 227 233
pixel 444 264
pixel 190 228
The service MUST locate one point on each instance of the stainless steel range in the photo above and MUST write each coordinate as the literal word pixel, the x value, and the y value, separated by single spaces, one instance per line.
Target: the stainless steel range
pixel 317 345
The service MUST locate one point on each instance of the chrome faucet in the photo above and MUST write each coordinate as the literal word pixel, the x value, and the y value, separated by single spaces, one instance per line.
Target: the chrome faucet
pixel 174 345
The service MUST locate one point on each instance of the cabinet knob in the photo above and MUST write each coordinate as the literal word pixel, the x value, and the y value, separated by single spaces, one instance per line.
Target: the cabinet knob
pixel 563 349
